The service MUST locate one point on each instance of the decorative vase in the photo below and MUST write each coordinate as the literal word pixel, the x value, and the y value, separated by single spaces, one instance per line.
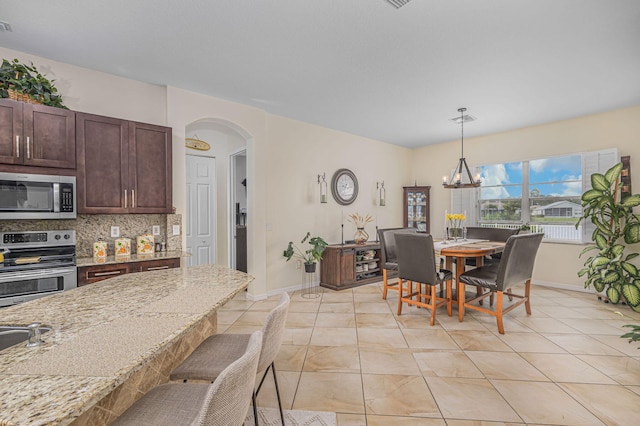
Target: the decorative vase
pixel 361 236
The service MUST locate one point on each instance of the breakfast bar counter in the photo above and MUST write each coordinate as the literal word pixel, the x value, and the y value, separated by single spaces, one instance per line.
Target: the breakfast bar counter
pixel 109 343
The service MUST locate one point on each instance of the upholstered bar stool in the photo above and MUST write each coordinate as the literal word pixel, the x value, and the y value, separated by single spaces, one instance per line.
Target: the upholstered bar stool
pixel 515 267
pixel 388 255
pixel 224 402
pixel 417 264
pixel 218 351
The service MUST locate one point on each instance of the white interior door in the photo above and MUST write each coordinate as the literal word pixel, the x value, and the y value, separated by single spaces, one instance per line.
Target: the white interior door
pixel 201 210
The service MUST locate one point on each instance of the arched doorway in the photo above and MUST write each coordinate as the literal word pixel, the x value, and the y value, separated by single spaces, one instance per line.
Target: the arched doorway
pixel 224 139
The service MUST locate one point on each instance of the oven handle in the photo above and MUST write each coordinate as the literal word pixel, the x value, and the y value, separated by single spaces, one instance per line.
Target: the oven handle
pixel 40 273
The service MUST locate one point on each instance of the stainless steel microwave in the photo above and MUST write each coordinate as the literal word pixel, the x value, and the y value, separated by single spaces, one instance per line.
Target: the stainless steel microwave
pixel 31 196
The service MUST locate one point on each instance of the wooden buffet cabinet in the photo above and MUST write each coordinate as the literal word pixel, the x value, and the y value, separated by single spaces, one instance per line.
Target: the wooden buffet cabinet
pixel 350 265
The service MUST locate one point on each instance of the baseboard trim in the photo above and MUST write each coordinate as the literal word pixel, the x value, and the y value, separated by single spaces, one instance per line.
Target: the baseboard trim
pixel 563 286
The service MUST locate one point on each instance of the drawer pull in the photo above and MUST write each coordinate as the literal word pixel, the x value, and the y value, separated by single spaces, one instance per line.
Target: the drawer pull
pixel 155 268
pixel 17 146
pixel 102 274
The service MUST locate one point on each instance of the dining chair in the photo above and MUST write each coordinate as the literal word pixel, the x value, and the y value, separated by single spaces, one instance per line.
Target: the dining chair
pixel 388 256
pixel 491 234
pixel 224 402
pixel 218 351
pixel 515 267
pixel 417 263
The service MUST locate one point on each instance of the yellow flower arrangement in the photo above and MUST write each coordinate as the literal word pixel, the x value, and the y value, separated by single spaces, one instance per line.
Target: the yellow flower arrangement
pixel 455 222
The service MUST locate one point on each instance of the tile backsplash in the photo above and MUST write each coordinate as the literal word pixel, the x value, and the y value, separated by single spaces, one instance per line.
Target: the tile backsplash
pixel 90 228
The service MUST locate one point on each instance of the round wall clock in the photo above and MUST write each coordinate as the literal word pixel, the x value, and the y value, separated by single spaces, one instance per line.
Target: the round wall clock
pixel 344 187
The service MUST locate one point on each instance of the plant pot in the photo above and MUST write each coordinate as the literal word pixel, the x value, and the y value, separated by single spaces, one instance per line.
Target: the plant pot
pixel 310 267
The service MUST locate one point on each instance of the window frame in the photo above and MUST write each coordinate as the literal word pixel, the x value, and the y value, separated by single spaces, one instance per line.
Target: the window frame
pixel 591 162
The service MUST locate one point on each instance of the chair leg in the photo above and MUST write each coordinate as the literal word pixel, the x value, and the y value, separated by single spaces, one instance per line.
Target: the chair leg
pixel 384 284
pixel 449 301
pixel 434 293
pixel 499 312
pixel 400 291
pixel 527 292
pixel 255 394
pixel 255 407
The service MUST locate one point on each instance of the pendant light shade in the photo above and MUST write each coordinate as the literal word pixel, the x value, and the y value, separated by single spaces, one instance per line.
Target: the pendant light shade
pixel 461 176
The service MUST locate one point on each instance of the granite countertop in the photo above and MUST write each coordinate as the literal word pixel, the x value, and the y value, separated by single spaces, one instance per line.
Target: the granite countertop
pixel 91 261
pixel 101 334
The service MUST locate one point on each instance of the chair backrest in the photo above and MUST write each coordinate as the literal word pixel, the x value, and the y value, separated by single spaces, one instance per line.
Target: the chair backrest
pixel 229 396
pixel 491 234
pixel 518 257
pixel 416 258
pixel 273 332
pixel 388 249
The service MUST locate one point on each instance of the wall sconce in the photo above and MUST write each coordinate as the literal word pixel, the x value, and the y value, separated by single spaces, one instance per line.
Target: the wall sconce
pixel 383 193
pixel 323 188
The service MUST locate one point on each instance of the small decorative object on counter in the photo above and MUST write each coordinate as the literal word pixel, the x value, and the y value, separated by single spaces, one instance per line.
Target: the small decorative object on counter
pixel 99 250
pixel 123 247
pixel 144 244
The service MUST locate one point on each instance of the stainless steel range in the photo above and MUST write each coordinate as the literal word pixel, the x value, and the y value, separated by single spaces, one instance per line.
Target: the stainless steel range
pixel 36 264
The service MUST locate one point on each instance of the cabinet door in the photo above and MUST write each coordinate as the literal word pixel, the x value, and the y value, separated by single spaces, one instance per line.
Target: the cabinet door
pixel 10 131
pixel 49 137
pixel 154 265
pixel 416 208
pixel 93 274
pixel 348 266
pixel 150 168
pixel 103 172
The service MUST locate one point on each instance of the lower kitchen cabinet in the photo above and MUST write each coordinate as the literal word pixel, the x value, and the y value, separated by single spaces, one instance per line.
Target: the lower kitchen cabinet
pixel 94 273
pixel 350 265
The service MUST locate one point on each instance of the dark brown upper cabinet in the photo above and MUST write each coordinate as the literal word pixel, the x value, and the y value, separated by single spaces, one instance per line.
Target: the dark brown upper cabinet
pixel 123 166
pixel 36 136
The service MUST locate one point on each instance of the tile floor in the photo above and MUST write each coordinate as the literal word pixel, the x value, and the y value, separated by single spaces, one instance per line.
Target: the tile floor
pixel 349 352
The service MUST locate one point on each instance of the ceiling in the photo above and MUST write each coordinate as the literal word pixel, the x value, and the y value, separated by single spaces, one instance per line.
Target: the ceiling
pixel 360 66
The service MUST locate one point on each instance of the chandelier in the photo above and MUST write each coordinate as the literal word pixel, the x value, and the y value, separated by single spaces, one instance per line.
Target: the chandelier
pixel 458 178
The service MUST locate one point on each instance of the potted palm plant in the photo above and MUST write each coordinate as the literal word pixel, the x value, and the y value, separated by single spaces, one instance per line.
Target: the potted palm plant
pixel 616 226
pixel 25 83
pixel 310 256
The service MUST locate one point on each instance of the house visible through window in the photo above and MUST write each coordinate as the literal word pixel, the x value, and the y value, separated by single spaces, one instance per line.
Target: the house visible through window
pixel 544 193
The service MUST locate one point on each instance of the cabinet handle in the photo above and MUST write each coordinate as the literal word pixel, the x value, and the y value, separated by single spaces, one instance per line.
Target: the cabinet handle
pixel 17 146
pixel 155 268
pixel 28 152
pixel 125 198
pixel 133 198
pixel 102 274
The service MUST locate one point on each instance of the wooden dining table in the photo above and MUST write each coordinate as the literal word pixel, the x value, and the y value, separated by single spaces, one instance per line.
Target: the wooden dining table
pixel 462 250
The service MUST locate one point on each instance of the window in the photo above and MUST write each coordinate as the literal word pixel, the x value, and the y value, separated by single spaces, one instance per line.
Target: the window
pixel 545 193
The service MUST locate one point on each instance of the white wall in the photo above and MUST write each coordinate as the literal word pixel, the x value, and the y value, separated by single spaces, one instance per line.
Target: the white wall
pixel 298 153
pixel 556 263
pixel 284 157
pixel 100 93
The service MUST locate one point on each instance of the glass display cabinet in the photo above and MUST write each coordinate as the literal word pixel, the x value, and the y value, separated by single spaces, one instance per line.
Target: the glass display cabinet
pixel 416 207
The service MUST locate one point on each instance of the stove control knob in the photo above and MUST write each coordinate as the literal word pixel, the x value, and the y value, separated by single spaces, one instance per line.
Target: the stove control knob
pixel 57 237
pixel 67 236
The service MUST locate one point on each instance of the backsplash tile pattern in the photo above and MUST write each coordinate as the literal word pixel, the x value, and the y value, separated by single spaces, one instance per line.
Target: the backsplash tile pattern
pixel 90 228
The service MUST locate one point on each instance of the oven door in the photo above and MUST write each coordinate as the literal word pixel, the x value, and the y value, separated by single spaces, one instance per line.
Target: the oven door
pixel 21 286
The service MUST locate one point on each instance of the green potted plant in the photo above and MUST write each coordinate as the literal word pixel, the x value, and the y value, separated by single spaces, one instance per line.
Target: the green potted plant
pixel 616 226
pixel 310 256
pixel 25 83
pixel 525 228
